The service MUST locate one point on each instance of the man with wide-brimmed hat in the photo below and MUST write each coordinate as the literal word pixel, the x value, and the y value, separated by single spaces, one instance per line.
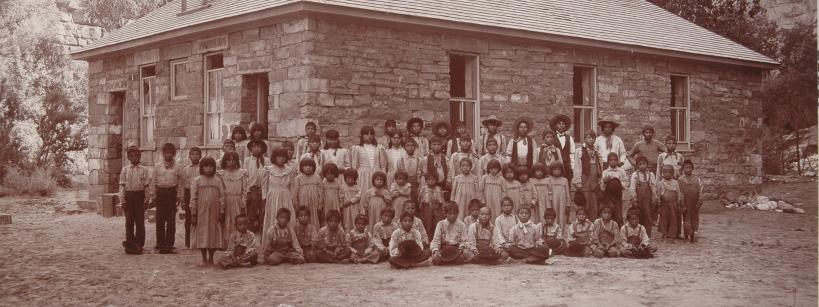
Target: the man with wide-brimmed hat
pixel 414 127
pixel 521 149
pixel 647 147
pixel 607 142
pixel 560 124
pixel 492 123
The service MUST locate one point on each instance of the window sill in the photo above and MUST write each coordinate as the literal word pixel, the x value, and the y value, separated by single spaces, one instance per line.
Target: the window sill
pixel 147 148
pixel 179 98
pixel 685 148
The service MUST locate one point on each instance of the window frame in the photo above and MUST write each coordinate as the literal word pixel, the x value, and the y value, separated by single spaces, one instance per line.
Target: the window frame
pixel 173 64
pixel 476 123
pixel 206 112
pixel 593 93
pixel 144 142
pixel 687 108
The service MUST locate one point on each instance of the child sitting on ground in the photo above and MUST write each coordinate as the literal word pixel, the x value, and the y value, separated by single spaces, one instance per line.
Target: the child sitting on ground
pixel 449 244
pixel 605 235
pixel 635 239
pixel 332 244
pixel 485 240
pixel 552 232
pixel 417 224
pixel 241 249
pixel 382 232
pixel 507 219
pixel 282 243
pixel 306 233
pixel 360 242
pixel 579 236
pixel 525 242
pixel 474 206
pixel 405 245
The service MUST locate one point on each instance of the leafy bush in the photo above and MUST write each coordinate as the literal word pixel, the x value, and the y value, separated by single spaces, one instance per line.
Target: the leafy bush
pixel 21 182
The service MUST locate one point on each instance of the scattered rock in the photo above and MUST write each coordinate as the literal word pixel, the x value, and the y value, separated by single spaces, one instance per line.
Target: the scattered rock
pixel 781 205
pixel 799 210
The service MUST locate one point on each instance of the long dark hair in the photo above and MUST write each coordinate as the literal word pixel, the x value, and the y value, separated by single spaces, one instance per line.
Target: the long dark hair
pixel 367 130
pixel 241 131
pixel 400 136
pixel 205 162
pixel 258 127
pixel 230 155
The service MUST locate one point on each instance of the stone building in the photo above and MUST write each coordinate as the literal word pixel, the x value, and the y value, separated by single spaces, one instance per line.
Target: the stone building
pixel 190 71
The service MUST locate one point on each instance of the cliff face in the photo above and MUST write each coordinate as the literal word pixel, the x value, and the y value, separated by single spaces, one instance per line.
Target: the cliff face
pixel 74 30
pixel 787 13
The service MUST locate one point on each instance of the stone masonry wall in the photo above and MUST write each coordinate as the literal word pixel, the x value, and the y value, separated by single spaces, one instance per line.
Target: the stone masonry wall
pixel 376 73
pixel 345 75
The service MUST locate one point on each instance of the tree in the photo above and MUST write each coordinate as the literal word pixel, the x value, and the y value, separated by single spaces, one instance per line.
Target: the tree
pixel 113 14
pixel 742 21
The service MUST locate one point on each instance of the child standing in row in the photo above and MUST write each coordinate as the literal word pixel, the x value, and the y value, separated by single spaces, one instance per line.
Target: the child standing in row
pixel 330 189
pixel 671 198
pixel 431 197
pixel 208 211
pixel 492 123
pixel 333 153
pixel 377 197
pixel 133 181
pixel 351 197
pixel 276 187
pixel 511 187
pixel 307 190
pixel 464 186
pixel 167 193
pixel 190 172
pixel 239 137
pixel 613 182
pixel 235 181
pixel 691 187
pixel 255 165
pixel 368 157
pixel 302 146
pixel 491 185
pixel 541 191
pixel 643 189
pixel 400 191
pixel 560 198
pixel 490 155
pixel 411 164
pixel 394 153
pixel 527 189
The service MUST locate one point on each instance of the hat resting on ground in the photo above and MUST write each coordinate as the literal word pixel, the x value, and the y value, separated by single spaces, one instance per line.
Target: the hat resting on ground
pixel 557 118
pixel 449 253
pixel 492 120
pixel 409 248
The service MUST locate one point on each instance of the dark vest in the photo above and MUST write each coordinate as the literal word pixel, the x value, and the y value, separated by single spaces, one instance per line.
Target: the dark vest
pixel 530 151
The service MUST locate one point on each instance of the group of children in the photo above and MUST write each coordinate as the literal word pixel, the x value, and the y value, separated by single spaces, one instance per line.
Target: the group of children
pixel 444 190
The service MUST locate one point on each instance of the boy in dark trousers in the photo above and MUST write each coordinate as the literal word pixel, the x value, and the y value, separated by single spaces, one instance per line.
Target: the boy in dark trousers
pixel 133 180
pixel 168 179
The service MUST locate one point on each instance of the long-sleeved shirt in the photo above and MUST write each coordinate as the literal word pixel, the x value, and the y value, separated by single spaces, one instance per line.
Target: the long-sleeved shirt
pixel 246 239
pixel 483 163
pixel 418 224
pixel 580 231
pixel 477 231
pixel 561 138
pixel 286 234
pixel 611 173
pixel 449 233
pixel 383 232
pixel 608 145
pixel 255 169
pixel 168 175
pixel 522 149
pixel 306 234
pixel 401 235
pixel 675 159
pixel 133 178
pixel 601 226
pixel 355 235
pixel 329 239
pixel 525 235
pixel 500 138
pixel 190 172
pixel 207 182
pixel 646 177
pixel 504 223
pixel 669 185
pixel 627 231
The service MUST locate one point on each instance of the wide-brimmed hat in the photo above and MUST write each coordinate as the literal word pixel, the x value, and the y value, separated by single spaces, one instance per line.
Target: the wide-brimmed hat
pixel 410 248
pixel 526 120
pixel 603 123
pixel 449 253
pixel 413 121
pixel 492 120
pixel 557 118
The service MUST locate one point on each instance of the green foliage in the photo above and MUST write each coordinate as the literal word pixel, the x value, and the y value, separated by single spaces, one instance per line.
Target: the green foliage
pixel 113 14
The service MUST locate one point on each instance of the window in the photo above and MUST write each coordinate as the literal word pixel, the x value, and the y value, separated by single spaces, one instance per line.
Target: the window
pixel 179 78
pixel 214 99
pixel 680 108
pixel 147 105
pixel 255 92
pixel 463 91
pixel 584 101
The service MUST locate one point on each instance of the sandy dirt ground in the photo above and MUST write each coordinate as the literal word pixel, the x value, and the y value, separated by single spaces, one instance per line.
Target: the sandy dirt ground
pixel 744 257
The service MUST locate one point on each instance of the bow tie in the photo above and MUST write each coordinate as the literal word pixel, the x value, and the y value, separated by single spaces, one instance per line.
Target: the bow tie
pixel 561 134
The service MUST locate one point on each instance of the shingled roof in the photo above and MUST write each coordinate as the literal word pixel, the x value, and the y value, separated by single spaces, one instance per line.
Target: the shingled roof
pixel 633 25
